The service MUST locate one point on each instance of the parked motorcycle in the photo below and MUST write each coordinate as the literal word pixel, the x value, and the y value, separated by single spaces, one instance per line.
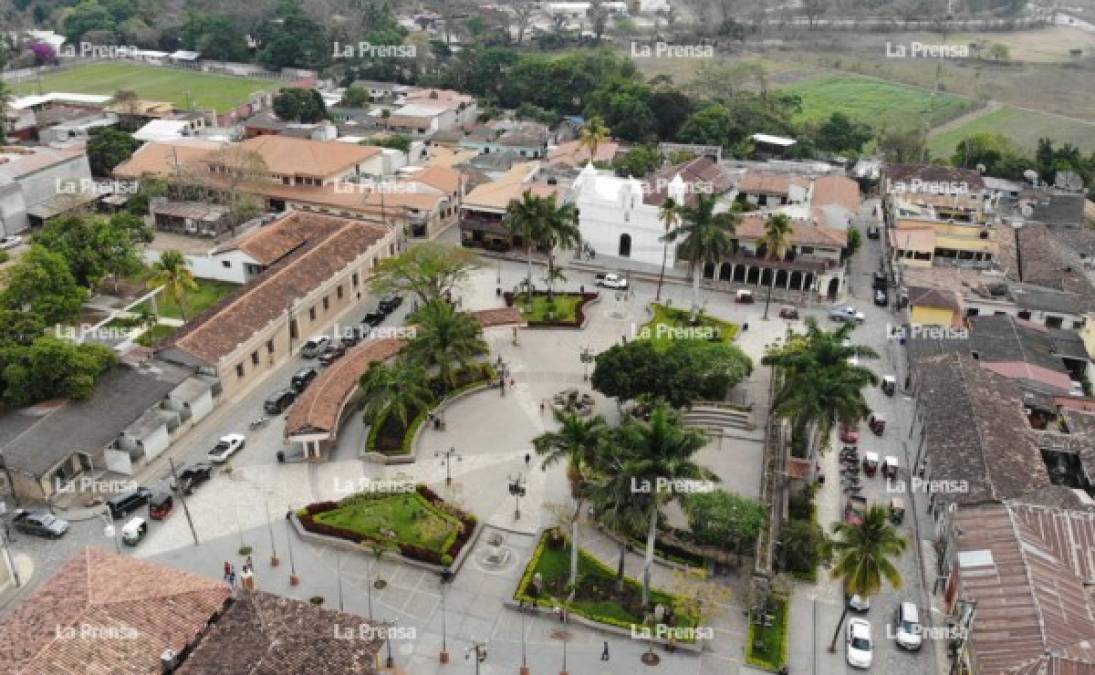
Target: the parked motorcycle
pixel 259 422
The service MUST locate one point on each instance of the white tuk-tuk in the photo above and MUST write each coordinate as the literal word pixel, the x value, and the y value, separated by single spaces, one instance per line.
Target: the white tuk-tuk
pixel 134 531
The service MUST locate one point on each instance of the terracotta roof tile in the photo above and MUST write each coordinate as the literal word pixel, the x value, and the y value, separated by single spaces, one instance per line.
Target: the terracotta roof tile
pixel 302 157
pixel 802 233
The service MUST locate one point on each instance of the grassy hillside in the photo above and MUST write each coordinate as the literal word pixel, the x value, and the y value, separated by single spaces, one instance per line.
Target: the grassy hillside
pixel 1021 127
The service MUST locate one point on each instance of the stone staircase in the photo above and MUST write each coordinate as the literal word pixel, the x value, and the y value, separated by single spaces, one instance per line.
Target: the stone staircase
pixel 723 421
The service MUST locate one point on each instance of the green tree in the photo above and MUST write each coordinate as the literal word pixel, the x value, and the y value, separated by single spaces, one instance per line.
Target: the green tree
pixel 355 97
pixel 216 37
pixel 775 243
pixel 292 39
pixel 52 367
pixel 724 519
pixel 300 105
pixel 840 133
pixel 855 240
pixel 624 106
pixel 428 271
pixel 805 546
pixel 401 389
pixel 85 17
pixel 592 135
pixel 107 148
pixel 612 497
pixel 680 373
pixel 172 273
pixel 638 162
pixel 399 142
pixel 559 230
pixel 526 219
pixel 445 338
pixel 909 146
pixel 19 328
pixel 577 441
pixel 658 453
pixel 865 556
pixel 95 246
pixel 705 238
pixel 42 283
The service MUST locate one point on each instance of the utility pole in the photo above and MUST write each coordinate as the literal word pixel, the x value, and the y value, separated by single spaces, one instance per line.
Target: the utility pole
pixel 182 498
pixel 447 459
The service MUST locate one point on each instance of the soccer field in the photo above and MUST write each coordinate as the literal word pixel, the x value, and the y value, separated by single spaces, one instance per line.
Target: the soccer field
pixel 876 102
pixel 182 87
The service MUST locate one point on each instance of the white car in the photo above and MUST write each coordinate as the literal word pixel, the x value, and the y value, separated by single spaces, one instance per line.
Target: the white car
pixel 10 242
pixel 847 313
pixel 907 623
pixel 859 643
pixel 226 447
pixel 859 604
pixel 613 281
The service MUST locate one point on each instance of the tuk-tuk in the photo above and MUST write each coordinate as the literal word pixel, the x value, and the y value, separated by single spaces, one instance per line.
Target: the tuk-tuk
pixel 745 297
pixel 788 312
pixel 889 467
pixel 897 511
pixel 870 463
pixel 160 505
pixel 134 531
pixel 889 385
pixel 877 423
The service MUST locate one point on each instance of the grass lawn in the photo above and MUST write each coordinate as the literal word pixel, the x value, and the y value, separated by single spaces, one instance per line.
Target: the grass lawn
pixel 875 102
pixel 1021 127
pixel 596 598
pixel 413 519
pixel 207 294
pixel 155 335
pixel 672 324
pixel 207 90
pixel 768 644
pixel 565 307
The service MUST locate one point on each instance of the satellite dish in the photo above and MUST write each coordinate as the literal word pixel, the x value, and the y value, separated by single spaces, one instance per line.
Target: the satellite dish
pixel 1068 180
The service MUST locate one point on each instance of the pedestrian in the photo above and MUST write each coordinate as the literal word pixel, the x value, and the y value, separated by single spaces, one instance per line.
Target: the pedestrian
pixel 604 652
pixel 249 565
pixel 542 407
pixel 744 327
pixel 227 569
pixel 528 458
pixel 512 381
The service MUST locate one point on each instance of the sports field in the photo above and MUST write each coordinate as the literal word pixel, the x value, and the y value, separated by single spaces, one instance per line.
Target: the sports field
pixel 876 102
pixel 153 83
pixel 1023 128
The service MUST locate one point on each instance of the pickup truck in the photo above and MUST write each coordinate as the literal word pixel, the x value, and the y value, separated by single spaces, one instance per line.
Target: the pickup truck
pixel 612 280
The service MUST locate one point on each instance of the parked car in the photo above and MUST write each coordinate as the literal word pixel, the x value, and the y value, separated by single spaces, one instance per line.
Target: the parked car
pixel 373 319
pixel 126 502
pixel 333 353
pixel 226 447
pixel 879 282
pixel 191 476
pixel 858 603
pixel 612 280
pixel 849 434
pixel 134 531
pixel 788 312
pixel 314 346
pixel 279 401
pixel 351 337
pixel 302 378
pixel 40 523
pixel 10 242
pixel 881 299
pixel 847 313
pixel 744 297
pixel 859 646
pixel 160 505
pixel 906 620
pixel 872 232
pixel 389 303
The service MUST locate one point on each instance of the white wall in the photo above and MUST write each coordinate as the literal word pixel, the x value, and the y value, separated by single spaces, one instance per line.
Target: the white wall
pixel 40 186
pixel 206 266
pixel 610 207
pixel 13 210
pixel 155 443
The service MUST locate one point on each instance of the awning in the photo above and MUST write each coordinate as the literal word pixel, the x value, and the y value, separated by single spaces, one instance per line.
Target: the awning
pixel 61 203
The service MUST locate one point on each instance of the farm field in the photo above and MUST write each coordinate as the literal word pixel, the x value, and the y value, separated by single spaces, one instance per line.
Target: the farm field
pixel 1023 128
pixel 206 90
pixel 876 102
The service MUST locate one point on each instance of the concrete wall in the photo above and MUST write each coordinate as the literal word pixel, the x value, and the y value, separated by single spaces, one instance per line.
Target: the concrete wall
pixel 40 186
pixel 13 209
pixel 604 219
pixel 206 266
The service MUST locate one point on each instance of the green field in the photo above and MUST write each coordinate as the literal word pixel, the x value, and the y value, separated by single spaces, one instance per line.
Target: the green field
pixel 1021 127
pixel 876 102
pixel 197 301
pixel 206 90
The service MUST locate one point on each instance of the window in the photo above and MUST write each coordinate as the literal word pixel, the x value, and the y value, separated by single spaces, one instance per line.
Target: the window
pixel 625 246
pixel 326 303
pixel 1054 322
pixel 239 370
pixel 312 313
pixel 226 263
pixel 254 358
pixel 354 280
pixel 1077 325
pixel 1024 315
pixel 269 346
pixel 338 291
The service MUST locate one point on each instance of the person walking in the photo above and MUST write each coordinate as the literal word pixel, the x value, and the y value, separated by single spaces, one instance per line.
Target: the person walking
pixel 528 458
pixel 227 569
pixel 604 652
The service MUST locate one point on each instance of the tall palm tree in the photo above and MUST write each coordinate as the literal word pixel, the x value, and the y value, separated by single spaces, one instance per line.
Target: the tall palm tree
pixel 592 134
pixel 865 556
pixel 577 441
pixel 172 272
pixel 777 231
pixel 670 215
pixel 613 499
pixel 560 230
pixel 401 389
pixel 653 454
pixel 526 218
pixel 445 338
pixel 706 237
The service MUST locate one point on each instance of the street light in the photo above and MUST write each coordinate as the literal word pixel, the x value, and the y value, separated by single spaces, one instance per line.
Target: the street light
pixel 480 650
pixel 390 663
pixel 446 577
pixel 109 529
pixel 448 455
pixel 517 489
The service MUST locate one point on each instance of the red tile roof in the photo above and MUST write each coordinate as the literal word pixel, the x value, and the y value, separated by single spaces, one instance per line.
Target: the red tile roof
pixel 144 608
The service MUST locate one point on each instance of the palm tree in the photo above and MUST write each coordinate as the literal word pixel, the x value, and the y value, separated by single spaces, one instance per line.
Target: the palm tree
pixel 864 557
pixel 445 338
pixel 777 230
pixel 577 441
pixel 560 230
pixel 172 273
pixel 670 215
pixel 654 454
pixel 401 389
pixel 525 218
pixel 613 499
pixel 707 238
pixel 592 134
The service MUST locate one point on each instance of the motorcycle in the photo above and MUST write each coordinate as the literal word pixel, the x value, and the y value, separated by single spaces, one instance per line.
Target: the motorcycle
pixel 259 422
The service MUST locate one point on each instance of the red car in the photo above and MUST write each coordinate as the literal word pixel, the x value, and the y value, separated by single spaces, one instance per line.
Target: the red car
pixel 849 435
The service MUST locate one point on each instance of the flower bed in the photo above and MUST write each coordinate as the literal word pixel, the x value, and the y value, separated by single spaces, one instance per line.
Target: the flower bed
pixel 596 597
pixel 423 513
pixel 569 319
pixel 669 323
pixel 767 646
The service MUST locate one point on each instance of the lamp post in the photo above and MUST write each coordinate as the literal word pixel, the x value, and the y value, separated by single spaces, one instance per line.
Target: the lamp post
pixel 586 357
pixel 390 662
pixel 480 650
pixel 274 561
pixel 447 459
pixel 446 577
pixel 517 489
pixel 110 529
pixel 294 580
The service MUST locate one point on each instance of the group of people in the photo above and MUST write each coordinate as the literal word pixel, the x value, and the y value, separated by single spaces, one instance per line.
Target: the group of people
pixel 230 570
